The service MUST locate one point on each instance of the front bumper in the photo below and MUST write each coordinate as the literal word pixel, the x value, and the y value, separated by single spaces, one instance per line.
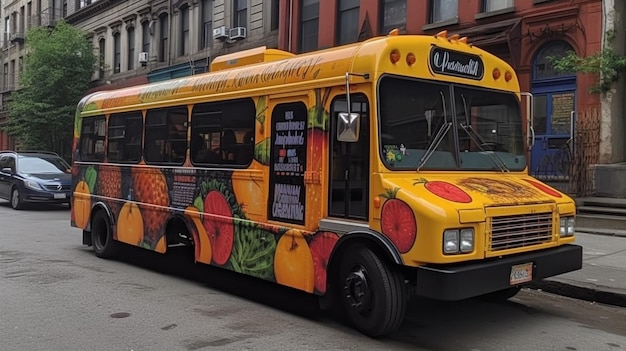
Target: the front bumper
pixel 30 195
pixel 458 282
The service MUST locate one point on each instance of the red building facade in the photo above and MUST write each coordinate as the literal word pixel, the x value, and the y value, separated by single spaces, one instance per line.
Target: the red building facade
pixel 526 33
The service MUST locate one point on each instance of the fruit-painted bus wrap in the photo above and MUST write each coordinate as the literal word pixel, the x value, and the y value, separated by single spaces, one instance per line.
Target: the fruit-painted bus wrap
pixel 364 174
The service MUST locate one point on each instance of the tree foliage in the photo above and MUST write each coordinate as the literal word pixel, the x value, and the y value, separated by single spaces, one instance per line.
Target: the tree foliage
pixel 57 73
pixel 606 64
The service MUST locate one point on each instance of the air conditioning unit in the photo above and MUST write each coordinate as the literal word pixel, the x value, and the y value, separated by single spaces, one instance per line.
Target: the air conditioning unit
pixel 143 57
pixel 237 33
pixel 220 33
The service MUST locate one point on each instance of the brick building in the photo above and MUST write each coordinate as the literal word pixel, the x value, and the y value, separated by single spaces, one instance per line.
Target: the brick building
pixel 523 32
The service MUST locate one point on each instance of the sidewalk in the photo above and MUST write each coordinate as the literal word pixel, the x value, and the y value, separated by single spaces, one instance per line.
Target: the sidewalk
pixel 603 275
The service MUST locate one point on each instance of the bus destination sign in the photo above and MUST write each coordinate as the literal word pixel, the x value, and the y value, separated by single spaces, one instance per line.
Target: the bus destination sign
pixel 453 63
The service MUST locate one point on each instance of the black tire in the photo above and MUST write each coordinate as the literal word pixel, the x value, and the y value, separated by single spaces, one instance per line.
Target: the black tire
pixel 16 199
pixel 501 295
pixel 102 236
pixel 372 293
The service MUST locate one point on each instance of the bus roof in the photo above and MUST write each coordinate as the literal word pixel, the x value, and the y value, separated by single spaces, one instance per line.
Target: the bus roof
pixel 253 71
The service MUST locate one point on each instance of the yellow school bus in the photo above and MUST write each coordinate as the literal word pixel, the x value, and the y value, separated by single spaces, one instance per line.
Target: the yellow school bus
pixel 365 174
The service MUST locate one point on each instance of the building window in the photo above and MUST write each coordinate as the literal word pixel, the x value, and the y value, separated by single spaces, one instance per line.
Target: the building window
pixel 393 15
pixel 442 10
pixel 64 13
pixel 82 3
pixel 13 74
pixel 309 25
pixel 495 5
pixel 7 31
pixel 29 13
pixel 275 14
pixel 22 20
pixel 39 10
pixel 348 21
pixel 13 23
pixel 163 33
pixel 5 77
pixel 102 52
pixel 240 13
pixel 117 53
pixel 131 48
pixel 543 68
pixel 184 30
pixel 207 24
pixel 145 36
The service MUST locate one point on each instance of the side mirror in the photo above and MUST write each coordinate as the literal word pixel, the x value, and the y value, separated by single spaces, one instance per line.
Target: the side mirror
pixel 7 170
pixel 348 127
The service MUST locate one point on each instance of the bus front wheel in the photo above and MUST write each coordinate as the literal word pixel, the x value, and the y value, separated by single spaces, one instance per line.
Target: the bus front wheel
pixel 102 236
pixel 373 293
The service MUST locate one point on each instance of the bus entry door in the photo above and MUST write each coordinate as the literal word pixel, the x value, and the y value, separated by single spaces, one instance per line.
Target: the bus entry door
pixel 349 164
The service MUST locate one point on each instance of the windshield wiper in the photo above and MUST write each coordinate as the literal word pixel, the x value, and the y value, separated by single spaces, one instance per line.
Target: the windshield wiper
pixel 441 133
pixel 479 141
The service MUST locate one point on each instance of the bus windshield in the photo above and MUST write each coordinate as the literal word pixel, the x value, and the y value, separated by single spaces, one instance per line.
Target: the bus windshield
pixel 423 128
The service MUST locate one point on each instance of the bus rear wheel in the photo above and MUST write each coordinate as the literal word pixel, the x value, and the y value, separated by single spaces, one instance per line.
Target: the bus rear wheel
pixel 102 236
pixel 372 293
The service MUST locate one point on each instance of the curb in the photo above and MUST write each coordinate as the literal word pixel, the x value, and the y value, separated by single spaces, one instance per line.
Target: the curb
pixel 580 293
pixel 598 231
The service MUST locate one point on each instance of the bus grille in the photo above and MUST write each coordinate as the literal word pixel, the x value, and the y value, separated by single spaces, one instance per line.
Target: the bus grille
pixel 509 232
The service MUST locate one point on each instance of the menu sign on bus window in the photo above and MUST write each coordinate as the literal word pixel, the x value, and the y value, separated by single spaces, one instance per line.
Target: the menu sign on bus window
pixel 288 163
pixel 458 64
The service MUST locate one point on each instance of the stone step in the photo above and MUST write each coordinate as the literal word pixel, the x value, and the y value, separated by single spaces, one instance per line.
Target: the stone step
pixel 601 202
pixel 616 211
pixel 604 221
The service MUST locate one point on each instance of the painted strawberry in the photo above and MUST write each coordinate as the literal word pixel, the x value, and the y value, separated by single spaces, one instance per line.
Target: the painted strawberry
pixel 445 190
pixel 397 221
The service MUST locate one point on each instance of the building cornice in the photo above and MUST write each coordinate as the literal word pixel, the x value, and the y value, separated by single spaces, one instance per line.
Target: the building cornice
pixel 89 11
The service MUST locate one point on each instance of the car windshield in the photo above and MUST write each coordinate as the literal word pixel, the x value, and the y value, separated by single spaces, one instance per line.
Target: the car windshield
pixel 436 126
pixel 29 165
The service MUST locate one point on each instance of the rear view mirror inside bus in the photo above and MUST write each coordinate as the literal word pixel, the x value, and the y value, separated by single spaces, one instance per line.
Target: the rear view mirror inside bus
pixel 348 127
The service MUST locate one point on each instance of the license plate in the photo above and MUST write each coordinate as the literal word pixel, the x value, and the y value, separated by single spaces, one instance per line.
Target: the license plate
pixel 59 196
pixel 521 273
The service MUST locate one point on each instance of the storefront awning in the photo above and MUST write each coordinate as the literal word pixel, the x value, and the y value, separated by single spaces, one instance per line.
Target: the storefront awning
pixel 506 32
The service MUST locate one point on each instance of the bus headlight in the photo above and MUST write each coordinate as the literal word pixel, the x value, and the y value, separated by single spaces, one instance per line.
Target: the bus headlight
pixel 566 227
pixel 450 241
pixel 458 241
pixel 467 240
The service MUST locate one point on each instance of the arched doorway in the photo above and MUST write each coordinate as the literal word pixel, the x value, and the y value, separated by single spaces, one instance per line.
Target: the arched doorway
pixel 554 95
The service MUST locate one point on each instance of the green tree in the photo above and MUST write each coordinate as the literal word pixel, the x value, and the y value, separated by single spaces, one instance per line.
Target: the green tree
pixel 57 73
pixel 606 64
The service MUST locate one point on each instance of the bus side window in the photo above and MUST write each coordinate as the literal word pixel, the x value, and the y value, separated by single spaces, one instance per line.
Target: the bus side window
pixel 124 137
pixel 223 132
pixel 166 135
pixel 92 139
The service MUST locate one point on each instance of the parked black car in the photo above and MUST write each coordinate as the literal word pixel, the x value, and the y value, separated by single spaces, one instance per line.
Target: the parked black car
pixel 34 176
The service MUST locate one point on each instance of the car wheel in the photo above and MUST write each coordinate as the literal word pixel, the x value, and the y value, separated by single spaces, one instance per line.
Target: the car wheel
pixel 373 292
pixel 16 199
pixel 102 236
